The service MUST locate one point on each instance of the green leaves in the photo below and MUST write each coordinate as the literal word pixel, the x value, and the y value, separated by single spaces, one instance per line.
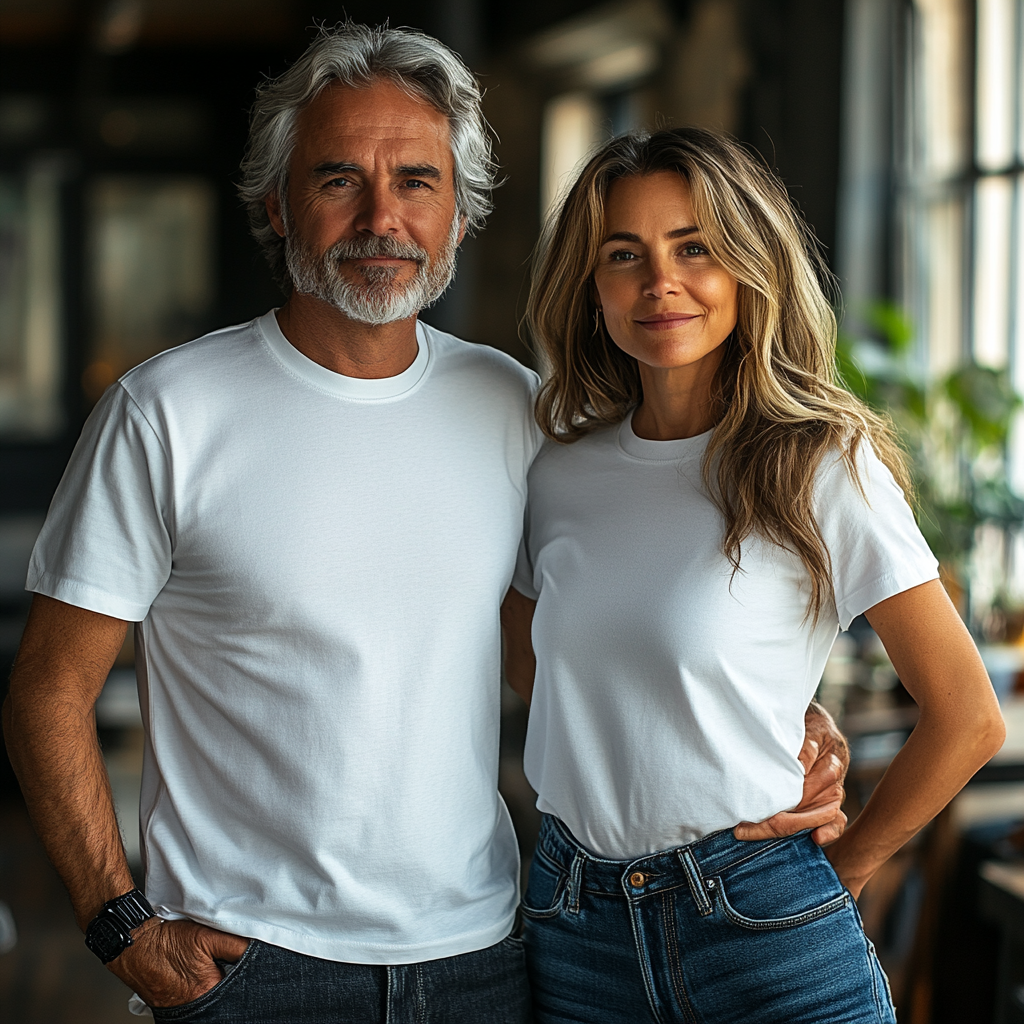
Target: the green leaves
pixel 893 325
pixel 986 401
pixel 954 429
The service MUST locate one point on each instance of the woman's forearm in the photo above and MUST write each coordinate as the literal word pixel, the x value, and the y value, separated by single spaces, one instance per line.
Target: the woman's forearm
pixel 939 758
pixel 960 728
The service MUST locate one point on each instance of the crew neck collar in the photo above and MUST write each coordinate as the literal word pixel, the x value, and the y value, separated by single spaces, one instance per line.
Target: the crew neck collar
pixel 661 451
pixel 358 388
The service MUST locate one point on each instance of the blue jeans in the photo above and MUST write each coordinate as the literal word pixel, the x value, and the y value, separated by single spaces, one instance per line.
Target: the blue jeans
pixel 270 985
pixel 717 931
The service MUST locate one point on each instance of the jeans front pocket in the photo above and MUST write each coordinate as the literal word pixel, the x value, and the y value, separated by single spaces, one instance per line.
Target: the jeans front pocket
pixel 232 977
pixel 545 889
pixel 790 883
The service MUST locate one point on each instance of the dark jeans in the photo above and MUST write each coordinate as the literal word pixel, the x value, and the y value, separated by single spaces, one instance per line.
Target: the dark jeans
pixel 271 985
pixel 717 932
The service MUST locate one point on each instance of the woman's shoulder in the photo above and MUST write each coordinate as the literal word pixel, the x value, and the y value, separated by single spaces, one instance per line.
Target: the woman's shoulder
pixel 851 472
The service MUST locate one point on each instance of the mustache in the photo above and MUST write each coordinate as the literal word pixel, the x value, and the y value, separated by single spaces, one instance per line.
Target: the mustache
pixel 377 246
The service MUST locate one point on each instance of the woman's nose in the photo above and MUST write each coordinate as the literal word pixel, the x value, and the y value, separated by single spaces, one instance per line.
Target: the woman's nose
pixel 662 279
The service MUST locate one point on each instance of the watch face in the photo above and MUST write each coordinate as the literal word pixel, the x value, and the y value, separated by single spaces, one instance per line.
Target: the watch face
pixel 105 938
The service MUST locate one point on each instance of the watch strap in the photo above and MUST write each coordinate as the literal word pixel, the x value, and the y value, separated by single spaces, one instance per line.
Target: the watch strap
pixel 110 932
pixel 132 908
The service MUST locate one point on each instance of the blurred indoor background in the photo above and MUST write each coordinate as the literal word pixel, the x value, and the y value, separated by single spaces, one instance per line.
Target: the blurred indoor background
pixel 898 126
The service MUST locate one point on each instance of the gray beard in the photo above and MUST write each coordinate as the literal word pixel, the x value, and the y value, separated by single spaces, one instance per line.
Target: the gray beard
pixel 378 298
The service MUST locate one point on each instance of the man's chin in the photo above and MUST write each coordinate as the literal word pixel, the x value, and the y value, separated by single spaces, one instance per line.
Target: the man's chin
pixel 364 310
pixel 368 320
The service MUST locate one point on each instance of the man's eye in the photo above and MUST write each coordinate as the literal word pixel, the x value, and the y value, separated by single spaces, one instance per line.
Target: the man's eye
pixel 338 183
pixel 415 183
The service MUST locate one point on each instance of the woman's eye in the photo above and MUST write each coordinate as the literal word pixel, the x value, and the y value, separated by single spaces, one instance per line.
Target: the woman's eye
pixel 621 256
pixel 694 249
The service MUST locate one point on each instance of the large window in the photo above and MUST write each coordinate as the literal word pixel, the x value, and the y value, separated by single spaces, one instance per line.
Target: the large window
pixel 150 264
pixel 30 302
pixel 961 190
pixel 932 201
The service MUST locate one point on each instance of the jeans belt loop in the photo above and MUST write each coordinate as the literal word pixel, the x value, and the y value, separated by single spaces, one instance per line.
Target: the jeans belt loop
pixel 572 890
pixel 693 876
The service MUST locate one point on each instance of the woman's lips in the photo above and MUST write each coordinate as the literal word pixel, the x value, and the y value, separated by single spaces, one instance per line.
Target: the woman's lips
pixel 666 321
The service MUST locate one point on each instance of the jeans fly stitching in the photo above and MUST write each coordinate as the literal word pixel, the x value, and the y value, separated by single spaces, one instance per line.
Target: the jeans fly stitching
pixel 645 960
pixel 668 924
pixel 421 998
pixel 389 1009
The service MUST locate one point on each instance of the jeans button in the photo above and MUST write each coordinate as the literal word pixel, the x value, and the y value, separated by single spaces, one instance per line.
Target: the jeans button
pixel 637 879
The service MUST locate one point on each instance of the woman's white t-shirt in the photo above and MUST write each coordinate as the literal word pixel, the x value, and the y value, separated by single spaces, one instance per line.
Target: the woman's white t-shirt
pixel 670 692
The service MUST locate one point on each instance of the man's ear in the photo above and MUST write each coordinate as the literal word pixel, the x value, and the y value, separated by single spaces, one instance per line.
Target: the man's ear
pixel 462 230
pixel 273 203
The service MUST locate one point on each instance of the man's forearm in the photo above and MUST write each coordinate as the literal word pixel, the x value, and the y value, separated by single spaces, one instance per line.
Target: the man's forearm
pixel 56 756
pixel 50 729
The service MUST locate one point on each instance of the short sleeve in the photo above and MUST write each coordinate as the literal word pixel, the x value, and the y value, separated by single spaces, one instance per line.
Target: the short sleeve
pixel 106 545
pixel 876 548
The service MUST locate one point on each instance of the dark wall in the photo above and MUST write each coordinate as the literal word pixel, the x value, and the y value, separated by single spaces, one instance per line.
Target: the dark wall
pixel 793 101
pixel 218 82
pixel 791 115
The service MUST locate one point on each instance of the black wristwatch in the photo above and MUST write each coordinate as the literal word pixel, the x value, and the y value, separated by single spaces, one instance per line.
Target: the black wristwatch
pixel 110 932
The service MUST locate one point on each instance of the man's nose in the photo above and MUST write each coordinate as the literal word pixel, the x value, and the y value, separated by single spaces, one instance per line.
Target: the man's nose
pixel 378 212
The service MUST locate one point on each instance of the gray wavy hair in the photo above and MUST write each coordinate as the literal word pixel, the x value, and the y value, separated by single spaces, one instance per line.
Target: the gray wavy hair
pixel 357 55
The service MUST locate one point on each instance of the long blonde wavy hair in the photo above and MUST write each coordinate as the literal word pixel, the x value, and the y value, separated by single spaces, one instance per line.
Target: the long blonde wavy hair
pixel 781 403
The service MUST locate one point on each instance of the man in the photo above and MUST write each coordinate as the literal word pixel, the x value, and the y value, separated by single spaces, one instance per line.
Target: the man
pixel 312 520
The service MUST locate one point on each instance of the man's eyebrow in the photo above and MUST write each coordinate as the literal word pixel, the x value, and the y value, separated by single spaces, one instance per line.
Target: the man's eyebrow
pixel 419 171
pixel 335 168
pixel 628 236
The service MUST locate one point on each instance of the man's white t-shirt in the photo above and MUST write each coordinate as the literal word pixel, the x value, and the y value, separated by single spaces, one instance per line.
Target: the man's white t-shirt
pixel 315 564
pixel 670 693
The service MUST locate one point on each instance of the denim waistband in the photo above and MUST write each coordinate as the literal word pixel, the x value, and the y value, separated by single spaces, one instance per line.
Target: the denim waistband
pixel 696 861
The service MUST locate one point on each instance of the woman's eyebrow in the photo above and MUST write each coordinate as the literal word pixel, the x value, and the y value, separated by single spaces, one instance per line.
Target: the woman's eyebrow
pixel 628 236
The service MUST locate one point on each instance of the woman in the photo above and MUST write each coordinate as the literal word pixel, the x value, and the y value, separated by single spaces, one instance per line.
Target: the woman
pixel 712 508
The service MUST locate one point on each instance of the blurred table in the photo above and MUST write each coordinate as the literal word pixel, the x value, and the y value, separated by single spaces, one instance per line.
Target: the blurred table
pixel 905 907
pixel 1002 902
